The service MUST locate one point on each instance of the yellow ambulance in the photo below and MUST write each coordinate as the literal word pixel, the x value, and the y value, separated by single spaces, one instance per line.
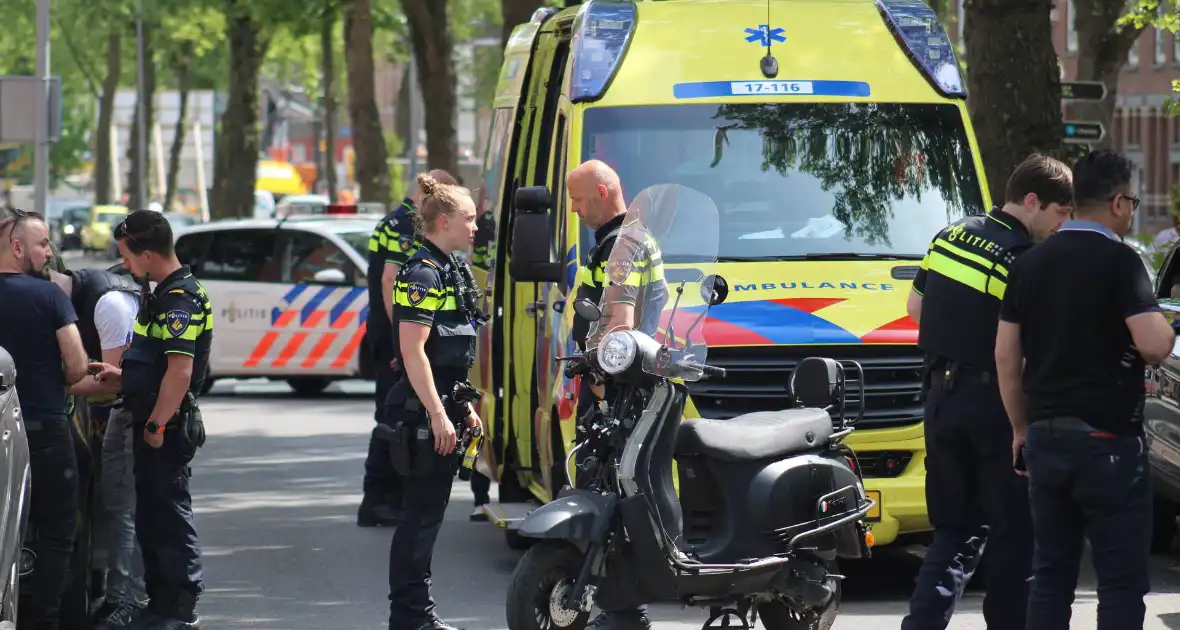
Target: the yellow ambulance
pixel 834 138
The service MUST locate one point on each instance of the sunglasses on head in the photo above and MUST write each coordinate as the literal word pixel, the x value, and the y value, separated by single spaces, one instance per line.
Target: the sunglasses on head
pixel 16 216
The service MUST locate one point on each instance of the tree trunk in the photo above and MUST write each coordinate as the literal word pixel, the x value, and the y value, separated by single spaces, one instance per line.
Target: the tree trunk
pixel 235 170
pixel 515 13
pixel 148 95
pixel 434 55
pixel 328 55
pixel 106 115
pixel 1014 113
pixel 372 157
pixel 182 80
pixel 1102 51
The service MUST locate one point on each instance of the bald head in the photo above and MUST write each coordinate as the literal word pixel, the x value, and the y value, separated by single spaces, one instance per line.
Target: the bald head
pixel 596 193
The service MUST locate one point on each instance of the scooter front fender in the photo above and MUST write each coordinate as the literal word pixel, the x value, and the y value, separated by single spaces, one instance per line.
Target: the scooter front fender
pixel 575 516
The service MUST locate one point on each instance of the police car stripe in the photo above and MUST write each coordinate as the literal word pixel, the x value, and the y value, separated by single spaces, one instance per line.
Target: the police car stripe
pixel 346 300
pixel 315 301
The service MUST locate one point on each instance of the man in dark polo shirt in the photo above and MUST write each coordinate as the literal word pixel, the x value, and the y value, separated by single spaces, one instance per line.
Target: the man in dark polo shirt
pixel 1077 325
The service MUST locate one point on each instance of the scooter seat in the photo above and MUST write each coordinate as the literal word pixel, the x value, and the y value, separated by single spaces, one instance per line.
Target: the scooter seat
pixel 755 436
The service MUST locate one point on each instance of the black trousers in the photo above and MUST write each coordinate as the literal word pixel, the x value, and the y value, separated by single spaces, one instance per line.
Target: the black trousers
pixel 53 513
pixel 164 522
pixel 1097 487
pixel 425 498
pixel 973 497
pixel 381 482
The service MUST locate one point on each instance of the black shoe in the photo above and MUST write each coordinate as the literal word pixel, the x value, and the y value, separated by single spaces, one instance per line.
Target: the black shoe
pixel 142 619
pixel 434 623
pixel 121 616
pixel 376 515
pixel 478 515
pixel 172 623
pixel 621 620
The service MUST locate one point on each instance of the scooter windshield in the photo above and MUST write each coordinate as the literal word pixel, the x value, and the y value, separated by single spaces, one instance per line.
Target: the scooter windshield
pixel 657 279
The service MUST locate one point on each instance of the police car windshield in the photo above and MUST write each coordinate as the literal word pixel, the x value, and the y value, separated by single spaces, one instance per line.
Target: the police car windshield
pixel 801 180
pixel 359 241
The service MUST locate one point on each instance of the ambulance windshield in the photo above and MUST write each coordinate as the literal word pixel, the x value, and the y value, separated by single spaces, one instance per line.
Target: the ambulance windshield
pixel 801 180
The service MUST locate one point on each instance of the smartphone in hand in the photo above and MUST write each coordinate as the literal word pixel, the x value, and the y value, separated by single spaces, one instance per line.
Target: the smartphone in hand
pixel 1019 463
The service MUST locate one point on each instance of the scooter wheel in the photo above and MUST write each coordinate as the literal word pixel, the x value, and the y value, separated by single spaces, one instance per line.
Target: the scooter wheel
pixel 543 576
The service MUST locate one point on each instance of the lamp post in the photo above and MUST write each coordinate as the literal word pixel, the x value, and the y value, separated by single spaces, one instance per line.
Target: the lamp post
pixel 41 134
pixel 140 112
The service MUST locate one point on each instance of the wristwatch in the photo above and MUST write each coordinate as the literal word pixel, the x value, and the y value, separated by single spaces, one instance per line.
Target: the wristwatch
pixel 154 429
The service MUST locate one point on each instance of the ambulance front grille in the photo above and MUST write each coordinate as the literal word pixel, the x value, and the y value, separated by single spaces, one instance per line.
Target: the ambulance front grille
pixel 757 378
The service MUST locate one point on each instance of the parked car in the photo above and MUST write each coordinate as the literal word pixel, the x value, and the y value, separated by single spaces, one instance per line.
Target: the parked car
pixel 73 218
pixel 15 486
pixel 1161 415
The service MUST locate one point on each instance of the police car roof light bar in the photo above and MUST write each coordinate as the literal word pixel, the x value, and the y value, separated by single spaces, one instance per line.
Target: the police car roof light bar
pixel 602 32
pixel 337 208
pixel 918 31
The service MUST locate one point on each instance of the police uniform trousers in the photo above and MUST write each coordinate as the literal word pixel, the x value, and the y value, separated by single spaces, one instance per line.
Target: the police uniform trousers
pixel 53 514
pixel 426 493
pixel 587 400
pixel 973 498
pixel 164 523
pixel 1085 483
pixel 381 481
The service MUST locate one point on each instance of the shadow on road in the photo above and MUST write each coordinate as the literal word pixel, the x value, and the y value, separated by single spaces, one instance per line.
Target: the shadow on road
pixel 277 517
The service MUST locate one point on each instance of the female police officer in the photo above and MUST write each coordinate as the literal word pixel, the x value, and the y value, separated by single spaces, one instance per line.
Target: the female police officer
pixel 436 339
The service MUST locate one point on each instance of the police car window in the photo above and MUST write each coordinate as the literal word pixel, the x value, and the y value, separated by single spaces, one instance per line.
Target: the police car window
pixel 794 180
pixel 191 249
pixel 243 255
pixel 308 253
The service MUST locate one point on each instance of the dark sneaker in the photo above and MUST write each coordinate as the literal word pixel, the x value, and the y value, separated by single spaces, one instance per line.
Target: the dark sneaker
pixel 142 619
pixel 119 616
pixel 435 623
pixel 172 623
pixel 621 620
pixel 478 515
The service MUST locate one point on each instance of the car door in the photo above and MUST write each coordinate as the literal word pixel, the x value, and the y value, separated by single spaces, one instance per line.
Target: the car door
pixel 1161 412
pixel 242 275
pixel 327 305
pixel 14 465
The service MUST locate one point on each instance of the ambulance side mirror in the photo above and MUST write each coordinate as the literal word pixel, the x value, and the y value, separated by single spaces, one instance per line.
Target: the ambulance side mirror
pixel 531 237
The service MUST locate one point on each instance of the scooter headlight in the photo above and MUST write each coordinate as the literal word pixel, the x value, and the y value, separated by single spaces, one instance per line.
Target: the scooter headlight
pixel 617 352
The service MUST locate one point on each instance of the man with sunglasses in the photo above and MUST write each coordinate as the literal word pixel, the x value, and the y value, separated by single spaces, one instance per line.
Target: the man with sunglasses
pixel 1078 323
pixel 37 327
pixel 162 373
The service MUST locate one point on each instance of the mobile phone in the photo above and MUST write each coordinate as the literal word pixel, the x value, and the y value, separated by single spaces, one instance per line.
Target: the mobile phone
pixel 1019 463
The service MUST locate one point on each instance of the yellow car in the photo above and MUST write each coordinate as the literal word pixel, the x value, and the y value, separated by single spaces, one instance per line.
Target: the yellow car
pixel 835 141
pixel 97 233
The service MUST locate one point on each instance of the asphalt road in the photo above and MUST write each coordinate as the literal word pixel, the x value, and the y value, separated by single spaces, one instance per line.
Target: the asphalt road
pixel 276 489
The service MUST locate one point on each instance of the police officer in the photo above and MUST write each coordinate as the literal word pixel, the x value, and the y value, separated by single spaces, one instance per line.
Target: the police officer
pixel 596 196
pixel 973 496
pixel 161 375
pixel 107 304
pixel 390 246
pixel 436 328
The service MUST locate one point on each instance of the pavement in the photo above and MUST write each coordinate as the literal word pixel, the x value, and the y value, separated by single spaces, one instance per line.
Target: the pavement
pixel 276 489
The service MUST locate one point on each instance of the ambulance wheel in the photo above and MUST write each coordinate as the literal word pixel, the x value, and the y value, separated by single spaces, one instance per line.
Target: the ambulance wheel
pixel 308 385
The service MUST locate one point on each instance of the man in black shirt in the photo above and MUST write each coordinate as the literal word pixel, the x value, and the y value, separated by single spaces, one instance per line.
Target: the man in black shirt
pixel 1078 324
pixel 37 328
pixel 972 495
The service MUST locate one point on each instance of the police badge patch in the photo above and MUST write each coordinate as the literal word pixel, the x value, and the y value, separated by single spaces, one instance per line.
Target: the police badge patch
pixel 406 242
pixel 416 293
pixel 177 322
pixel 619 271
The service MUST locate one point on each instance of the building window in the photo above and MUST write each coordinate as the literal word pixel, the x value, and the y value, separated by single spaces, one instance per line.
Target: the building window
pixel 1160 52
pixel 1071 31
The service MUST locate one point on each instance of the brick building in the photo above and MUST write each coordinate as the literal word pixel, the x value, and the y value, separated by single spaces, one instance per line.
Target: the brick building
pixel 1141 128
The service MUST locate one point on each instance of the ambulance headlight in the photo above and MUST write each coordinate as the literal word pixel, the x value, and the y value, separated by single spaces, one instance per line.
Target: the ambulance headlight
pixel 617 352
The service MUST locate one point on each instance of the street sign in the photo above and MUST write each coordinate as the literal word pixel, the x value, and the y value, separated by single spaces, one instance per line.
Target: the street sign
pixel 1083 132
pixel 18 107
pixel 1083 91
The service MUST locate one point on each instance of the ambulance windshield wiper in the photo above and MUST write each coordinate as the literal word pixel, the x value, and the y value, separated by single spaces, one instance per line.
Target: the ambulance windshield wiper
pixel 822 256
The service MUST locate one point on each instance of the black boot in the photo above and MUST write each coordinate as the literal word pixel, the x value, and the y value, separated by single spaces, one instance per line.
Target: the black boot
pixel 375 512
pixel 119 617
pixel 621 620
pixel 434 623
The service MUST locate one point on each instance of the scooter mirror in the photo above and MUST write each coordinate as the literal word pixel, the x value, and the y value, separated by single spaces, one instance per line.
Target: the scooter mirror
pixel 817 382
pixel 587 310
pixel 714 290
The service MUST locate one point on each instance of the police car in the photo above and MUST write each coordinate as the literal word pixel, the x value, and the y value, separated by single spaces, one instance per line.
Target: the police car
pixel 289 296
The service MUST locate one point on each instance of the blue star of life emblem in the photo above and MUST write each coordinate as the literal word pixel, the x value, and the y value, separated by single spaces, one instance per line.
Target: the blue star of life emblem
pixel 764 35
